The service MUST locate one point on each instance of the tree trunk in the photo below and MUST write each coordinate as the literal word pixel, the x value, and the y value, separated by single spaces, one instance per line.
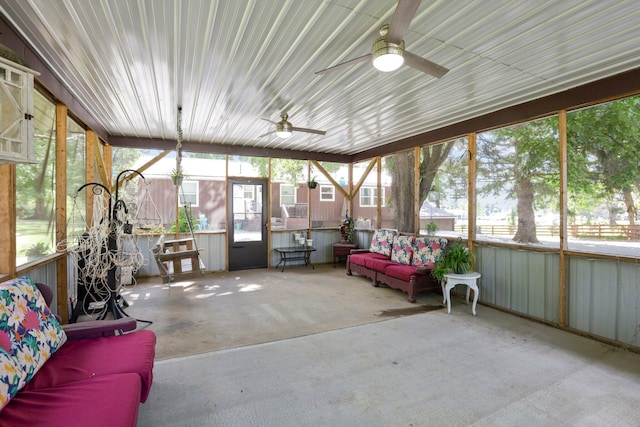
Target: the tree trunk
pixel 402 190
pixel 526 232
pixel 631 209
pixel 401 167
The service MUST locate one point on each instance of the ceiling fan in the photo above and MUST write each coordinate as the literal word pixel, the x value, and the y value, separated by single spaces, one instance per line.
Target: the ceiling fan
pixel 388 52
pixel 284 128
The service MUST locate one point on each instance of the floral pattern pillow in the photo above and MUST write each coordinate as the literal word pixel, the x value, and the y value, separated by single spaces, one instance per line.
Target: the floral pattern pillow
pixel 29 335
pixel 402 251
pixel 382 241
pixel 426 250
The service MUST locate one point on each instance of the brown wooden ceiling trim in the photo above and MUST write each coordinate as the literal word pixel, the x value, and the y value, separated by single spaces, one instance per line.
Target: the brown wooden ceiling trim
pixel 236 150
pixel 620 85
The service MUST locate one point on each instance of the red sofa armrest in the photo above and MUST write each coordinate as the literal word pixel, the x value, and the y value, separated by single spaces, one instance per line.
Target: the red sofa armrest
pixel 423 270
pixel 99 328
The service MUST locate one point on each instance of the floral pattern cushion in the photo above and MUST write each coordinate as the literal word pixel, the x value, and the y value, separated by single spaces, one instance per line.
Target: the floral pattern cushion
pixel 402 251
pixel 382 241
pixel 29 335
pixel 426 250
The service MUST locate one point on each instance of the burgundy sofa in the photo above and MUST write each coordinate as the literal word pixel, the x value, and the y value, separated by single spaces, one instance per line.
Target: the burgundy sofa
pixel 400 262
pixel 90 376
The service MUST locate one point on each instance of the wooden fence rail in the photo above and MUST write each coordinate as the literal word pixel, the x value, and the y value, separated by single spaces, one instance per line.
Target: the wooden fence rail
pixel 591 231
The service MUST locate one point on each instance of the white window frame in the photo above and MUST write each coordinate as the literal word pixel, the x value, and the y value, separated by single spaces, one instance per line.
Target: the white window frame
pixel 294 194
pixel 373 193
pixel 195 195
pixel 331 194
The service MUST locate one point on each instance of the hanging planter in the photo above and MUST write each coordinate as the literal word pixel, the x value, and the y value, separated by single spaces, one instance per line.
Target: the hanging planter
pixel 313 183
pixel 176 177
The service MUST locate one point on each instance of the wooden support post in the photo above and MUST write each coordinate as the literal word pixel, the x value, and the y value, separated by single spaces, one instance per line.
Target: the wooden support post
pixel 8 220
pixel 309 200
pixel 350 177
pixel 364 176
pixel 269 239
pixel 107 157
pixel 93 151
pixel 330 178
pixel 471 142
pixel 379 194
pixel 562 277
pixel 416 190
pixel 61 210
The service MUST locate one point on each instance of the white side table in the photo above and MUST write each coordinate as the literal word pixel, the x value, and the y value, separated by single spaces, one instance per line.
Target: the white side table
pixel 469 279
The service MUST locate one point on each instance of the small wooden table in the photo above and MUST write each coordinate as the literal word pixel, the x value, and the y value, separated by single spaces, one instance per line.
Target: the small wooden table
pixel 342 249
pixel 295 253
pixel 469 279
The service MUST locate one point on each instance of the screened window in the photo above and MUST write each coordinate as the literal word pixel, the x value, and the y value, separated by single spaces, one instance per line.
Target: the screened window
pixel 444 188
pixel 398 177
pixel 35 186
pixel 76 178
pixel 603 178
pixel 518 183
pixel 327 193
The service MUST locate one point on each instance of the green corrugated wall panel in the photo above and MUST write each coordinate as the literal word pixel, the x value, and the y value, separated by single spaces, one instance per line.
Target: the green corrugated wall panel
pixel 628 315
pixel 538 282
pixel 519 282
pixel 552 287
pixel 503 277
pixel 604 305
pixel 579 293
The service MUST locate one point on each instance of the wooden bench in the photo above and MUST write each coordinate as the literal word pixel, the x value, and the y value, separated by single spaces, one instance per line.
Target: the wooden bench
pixel 177 259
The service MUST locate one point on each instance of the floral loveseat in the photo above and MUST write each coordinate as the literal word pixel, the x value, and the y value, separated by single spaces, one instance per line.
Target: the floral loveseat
pixel 49 378
pixel 399 261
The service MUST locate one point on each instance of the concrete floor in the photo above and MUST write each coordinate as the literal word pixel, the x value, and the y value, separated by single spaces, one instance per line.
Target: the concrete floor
pixel 231 309
pixel 318 348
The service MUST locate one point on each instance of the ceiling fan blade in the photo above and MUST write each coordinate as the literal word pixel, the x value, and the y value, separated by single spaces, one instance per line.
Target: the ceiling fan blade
pixel 401 19
pixel 424 65
pixel 267 120
pixel 346 64
pixel 317 132
pixel 266 134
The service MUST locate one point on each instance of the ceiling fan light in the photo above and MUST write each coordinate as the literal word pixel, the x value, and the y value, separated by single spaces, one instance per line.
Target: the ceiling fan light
pixel 283 129
pixel 283 134
pixel 387 56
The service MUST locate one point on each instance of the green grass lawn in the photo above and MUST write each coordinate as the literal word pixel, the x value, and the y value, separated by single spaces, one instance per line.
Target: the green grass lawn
pixel 31 232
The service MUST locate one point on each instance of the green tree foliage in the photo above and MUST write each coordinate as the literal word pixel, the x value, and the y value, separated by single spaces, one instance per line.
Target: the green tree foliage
pixel 36 180
pixel 290 171
pixel 604 154
pixel 123 158
pixel 185 216
pixel 522 163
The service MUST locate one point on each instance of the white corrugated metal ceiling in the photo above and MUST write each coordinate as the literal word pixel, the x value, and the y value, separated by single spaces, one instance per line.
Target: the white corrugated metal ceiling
pixel 230 63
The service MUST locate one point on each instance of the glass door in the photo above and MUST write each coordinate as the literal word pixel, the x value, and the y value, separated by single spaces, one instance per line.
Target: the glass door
pixel 247 224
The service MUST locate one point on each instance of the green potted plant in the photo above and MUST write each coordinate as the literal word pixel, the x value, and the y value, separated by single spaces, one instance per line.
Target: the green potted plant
pixel 432 227
pixel 177 177
pixel 456 258
pixel 37 250
pixel 312 183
